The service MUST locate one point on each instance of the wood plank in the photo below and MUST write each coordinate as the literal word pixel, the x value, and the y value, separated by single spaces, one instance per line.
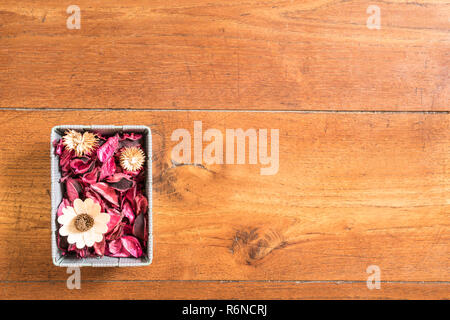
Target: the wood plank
pixel 282 55
pixel 352 190
pixel 235 290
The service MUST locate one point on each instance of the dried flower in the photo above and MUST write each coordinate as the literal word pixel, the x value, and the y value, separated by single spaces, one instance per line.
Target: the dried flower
pixel 132 159
pixel 83 223
pixel 82 144
pixel 119 192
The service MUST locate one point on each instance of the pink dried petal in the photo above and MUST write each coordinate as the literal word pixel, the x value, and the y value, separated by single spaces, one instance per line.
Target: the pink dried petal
pixel 114 219
pixel 107 150
pixel 73 189
pixel 130 195
pixel 82 253
pixel 131 136
pixel 128 229
pixel 130 140
pixel 59 147
pixel 127 211
pixel 64 160
pixel 117 177
pixel 140 228
pixel 108 193
pixel 99 247
pixel 62 243
pixel 116 233
pixel 120 181
pixel 132 245
pixel 141 204
pixel 64 203
pixel 108 168
pixel 116 249
pixel 96 197
pixel 81 165
pixel 90 177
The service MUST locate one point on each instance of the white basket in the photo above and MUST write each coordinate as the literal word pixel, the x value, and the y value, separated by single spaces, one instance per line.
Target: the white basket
pixel 57 196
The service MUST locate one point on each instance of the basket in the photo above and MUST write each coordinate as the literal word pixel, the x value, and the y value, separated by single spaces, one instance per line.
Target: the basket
pixel 57 196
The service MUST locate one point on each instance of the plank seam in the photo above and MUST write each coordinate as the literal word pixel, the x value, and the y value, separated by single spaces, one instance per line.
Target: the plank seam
pixel 233 281
pixel 233 110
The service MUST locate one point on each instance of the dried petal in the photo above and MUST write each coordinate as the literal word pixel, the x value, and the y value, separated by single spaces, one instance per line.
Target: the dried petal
pixel 132 245
pixel 120 181
pixel 81 165
pixel 107 150
pixel 117 232
pixel 73 189
pixel 114 220
pixel 116 249
pixel 108 193
pixel 141 204
pixel 99 247
pixel 140 227
pixel 130 140
pixel 90 177
pixel 64 203
pixel 64 160
pixel 127 211
pixel 108 168
pixel 89 193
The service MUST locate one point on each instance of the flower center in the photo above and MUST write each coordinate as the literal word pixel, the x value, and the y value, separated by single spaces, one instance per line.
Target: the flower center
pixel 83 222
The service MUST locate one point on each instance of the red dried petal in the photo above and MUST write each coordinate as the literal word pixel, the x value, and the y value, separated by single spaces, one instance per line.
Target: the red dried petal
pixel 81 165
pixel 130 140
pixel 64 203
pixel 121 182
pixel 73 189
pixel 107 150
pixel 90 177
pixel 99 247
pixel 141 204
pixel 140 227
pixel 116 249
pixel 114 219
pixel 127 211
pixel 108 168
pixel 132 245
pixel 108 193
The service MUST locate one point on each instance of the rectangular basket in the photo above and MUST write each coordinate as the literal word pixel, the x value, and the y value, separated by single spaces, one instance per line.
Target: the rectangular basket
pixel 57 195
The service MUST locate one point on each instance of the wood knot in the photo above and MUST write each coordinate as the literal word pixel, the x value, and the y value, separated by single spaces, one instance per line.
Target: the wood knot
pixel 252 246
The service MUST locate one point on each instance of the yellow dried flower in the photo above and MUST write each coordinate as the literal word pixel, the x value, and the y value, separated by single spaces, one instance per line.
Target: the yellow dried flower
pixel 132 158
pixel 82 144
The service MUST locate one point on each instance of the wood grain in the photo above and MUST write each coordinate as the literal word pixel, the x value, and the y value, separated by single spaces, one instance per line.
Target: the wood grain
pixel 219 290
pixel 260 55
pixel 352 190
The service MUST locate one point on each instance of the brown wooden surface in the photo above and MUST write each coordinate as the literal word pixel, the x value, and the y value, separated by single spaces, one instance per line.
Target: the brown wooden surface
pixel 352 190
pixel 193 54
pixel 364 170
pixel 219 290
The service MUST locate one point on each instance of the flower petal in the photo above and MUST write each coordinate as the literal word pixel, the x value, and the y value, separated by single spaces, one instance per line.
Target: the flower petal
pixel 66 218
pixel 95 210
pixel 102 218
pixel 88 202
pixel 98 237
pixel 80 243
pixel 69 211
pixel 89 237
pixel 79 206
pixel 100 227
pixel 64 230
pixel 74 237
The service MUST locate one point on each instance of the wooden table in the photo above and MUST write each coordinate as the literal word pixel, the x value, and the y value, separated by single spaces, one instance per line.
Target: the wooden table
pixel 363 120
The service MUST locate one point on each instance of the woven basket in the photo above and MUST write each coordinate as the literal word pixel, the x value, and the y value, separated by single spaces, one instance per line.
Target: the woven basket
pixel 57 195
